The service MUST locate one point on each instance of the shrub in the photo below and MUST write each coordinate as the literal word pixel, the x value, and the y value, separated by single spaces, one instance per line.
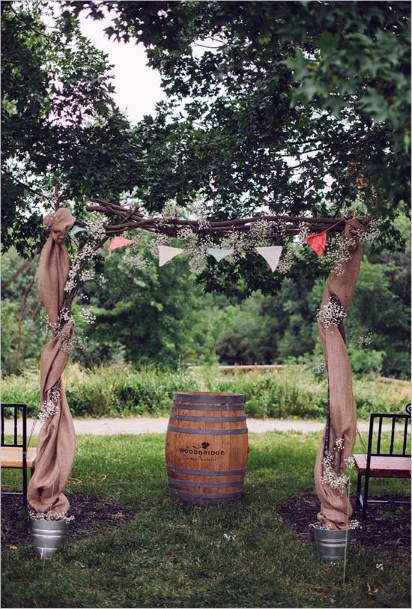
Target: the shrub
pixel 121 390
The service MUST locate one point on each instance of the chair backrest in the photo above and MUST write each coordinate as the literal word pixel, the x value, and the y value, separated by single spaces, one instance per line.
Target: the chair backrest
pixel 396 443
pixel 18 414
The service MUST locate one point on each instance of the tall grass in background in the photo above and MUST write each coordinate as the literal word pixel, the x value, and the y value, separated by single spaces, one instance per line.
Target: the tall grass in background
pixel 121 390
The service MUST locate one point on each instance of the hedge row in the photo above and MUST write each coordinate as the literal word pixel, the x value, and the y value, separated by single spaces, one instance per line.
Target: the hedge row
pixel 125 391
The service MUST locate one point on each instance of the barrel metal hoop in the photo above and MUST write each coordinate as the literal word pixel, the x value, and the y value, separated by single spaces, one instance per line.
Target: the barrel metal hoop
pixel 200 472
pixel 220 496
pixel 221 408
pixel 185 483
pixel 208 398
pixel 207 432
pixel 182 417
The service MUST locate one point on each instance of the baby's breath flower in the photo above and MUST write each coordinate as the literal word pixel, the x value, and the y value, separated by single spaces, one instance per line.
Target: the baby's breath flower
pixel 339 444
pixel 49 406
pixel 135 261
pixel 201 215
pixel 331 314
pixel 260 231
pixel 364 340
pixel 88 316
pixel 50 515
pixel 304 231
pixel 350 462
pixel 286 259
pixel 332 479
pixel 170 210
pixel 87 275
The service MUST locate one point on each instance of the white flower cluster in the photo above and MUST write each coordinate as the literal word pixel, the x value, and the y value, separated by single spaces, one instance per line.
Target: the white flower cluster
pixel 364 340
pixel 320 367
pixel 331 314
pixel 59 330
pixel 158 239
pixel 194 248
pixel 352 524
pixel 339 442
pixel 238 241
pixel 286 260
pixel 87 316
pixel 87 275
pixel 350 462
pixel 304 231
pixel 201 215
pixel 137 262
pixel 49 406
pixel 85 254
pixel 260 231
pixel 330 477
pixel 97 228
pixel 338 253
pixel 170 210
pixel 50 515
pixel 372 232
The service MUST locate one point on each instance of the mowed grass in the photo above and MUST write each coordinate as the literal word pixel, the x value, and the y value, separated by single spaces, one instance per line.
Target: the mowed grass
pixel 172 555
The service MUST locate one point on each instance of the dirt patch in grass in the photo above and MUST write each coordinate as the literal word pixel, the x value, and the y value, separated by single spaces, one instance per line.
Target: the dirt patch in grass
pixel 386 527
pixel 92 514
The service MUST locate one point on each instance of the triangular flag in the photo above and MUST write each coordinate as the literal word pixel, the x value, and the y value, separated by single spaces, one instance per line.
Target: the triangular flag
pixel 271 254
pixel 118 242
pixel 317 242
pixel 219 254
pixel 78 229
pixel 166 253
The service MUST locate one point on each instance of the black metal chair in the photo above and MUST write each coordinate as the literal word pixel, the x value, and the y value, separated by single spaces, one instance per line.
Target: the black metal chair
pixel 386 457
pixel 15 453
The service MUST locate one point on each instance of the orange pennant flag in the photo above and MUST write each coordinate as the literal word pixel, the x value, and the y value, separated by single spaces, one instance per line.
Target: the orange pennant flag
pixel 118 242
pixel 317 242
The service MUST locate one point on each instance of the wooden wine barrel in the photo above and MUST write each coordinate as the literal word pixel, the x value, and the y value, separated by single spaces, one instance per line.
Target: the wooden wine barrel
pixel 207 447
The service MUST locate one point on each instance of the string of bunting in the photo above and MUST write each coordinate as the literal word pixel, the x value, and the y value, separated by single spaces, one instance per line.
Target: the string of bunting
pixel 127 217
pixel 271 253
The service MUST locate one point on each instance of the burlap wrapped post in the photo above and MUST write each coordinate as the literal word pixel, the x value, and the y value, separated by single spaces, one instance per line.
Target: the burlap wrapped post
pixel 335 508
pixel 56 447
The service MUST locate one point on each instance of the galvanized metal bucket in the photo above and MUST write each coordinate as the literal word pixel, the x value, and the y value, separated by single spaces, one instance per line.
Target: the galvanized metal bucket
pixel 48 536
pixel 331 545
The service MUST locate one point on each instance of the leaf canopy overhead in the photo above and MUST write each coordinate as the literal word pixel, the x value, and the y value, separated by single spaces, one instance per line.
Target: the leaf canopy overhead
pixel 297 108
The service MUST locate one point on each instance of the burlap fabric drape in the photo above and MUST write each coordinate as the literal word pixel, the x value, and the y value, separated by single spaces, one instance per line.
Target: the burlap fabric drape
pixel 56 447
pixel 335 507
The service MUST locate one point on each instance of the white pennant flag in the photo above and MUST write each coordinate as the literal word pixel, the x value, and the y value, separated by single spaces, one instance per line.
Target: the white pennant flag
pixel 166 253
pixel 219 254
pixel 271 255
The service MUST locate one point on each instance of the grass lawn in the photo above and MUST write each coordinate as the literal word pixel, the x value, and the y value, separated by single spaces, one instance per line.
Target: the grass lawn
pixel 171 555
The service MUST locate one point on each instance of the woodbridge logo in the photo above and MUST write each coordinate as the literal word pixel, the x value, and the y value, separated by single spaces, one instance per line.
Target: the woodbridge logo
pixel 197 450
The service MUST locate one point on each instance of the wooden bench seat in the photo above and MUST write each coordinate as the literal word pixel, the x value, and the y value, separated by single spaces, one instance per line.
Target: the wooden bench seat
pixel 384 467
pixel 12 456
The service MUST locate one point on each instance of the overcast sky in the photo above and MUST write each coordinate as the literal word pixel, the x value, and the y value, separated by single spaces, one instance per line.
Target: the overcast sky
pixel 137 86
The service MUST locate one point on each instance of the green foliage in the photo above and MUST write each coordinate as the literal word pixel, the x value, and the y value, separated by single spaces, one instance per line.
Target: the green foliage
pixel 262 82
pixel 169 554
pixel 125 391
pixel 60 126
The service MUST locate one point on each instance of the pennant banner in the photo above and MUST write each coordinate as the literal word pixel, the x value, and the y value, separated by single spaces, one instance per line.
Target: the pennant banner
pixel 219 254
pixel 166 253
pixel 271 255
pixel 317 242
pixel 78 229
pixel 118 242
